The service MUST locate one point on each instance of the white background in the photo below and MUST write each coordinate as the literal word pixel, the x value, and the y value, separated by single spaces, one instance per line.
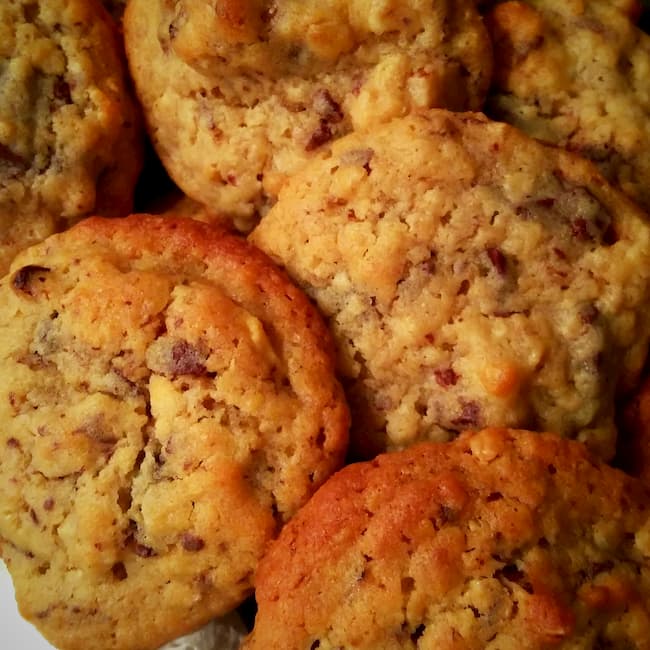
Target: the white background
pixel 15 632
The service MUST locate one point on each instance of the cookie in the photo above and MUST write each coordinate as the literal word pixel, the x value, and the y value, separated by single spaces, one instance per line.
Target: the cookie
pixel 575 74
pixel 168 402
pixel 472 277
pixel 69 130
pixel 501 539
pixel 239 95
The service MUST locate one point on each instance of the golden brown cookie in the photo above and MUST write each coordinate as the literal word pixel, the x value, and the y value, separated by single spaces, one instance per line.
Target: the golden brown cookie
pixel 168 402
pixel 69 131
pixel 239 94
pixel 575 74
pixel 500 539
pixel 472 277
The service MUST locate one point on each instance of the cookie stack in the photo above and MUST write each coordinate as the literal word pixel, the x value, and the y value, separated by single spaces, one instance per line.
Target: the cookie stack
pixel 411 238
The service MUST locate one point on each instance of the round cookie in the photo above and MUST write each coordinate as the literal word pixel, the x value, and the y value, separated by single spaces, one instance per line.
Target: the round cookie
pixel 500 539
pixel 168 402
pixel 69 131
pixel 472 277
pixel 575 74
pixel 239 94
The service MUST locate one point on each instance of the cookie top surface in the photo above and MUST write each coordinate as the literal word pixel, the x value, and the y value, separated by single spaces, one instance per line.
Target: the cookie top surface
pixel 168 402
pixel 500 539
pixel 239 95
pixel 69 131
pixel 576 74
pixel 472 277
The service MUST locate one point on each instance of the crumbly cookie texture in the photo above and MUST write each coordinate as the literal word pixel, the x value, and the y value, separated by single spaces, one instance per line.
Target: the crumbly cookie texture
pixel 500 539
pixel 69 131
pixel 472 277
pixel 238 95
pixel 168 402
pixel 576 74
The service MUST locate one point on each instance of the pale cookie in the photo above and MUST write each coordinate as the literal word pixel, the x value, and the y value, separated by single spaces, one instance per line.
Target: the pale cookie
pixel 575 73
pixel 472 277
pixel 239 94
pixel 168 402
pixel 500 539
pixel 69 132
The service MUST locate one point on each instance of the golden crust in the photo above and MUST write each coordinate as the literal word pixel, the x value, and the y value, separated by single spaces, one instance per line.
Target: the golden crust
pixel 169 402
pixel 505 538
pixel 70 133
pixel 574 74
pixel 472 277
pixel 239 95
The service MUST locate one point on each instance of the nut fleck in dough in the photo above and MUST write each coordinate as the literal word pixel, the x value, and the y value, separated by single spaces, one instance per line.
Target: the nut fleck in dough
pixel 239 94
pixel 168 402
pixel 575 74
pixel 69 132
pixel 472 277
pixel 500 539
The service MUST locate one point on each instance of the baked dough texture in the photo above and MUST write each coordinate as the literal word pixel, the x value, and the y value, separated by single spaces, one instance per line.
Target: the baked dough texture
pixel 500 539
pixel 69 130
pixel 472 277
pixel 239 94
pixel 168 402
pixel 575 73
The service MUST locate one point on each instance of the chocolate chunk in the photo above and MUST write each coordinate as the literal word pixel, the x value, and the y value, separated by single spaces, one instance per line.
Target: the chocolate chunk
pixel 498 260
pixel 327 107
pixel 320 136
pixel 186 359
pixel 25 278
pixel 446 377
pixel 470 415
pixel 119 571
pixel 191 542
pixel 61 91
pixel 579 229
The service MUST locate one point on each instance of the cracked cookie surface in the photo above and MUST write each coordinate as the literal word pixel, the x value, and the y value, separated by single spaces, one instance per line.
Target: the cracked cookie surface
pixel 238 95
pixel 168 402
pixel 500 539
pixel 69 131
pixel 472 277
pixel 575 73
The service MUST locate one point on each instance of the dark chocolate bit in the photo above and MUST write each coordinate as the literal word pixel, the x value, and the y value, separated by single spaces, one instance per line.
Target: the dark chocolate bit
pixel 61 91
pixel 511 573
pixel 13 442
pixel 320 136
pixel 446 376
pixel 327 107
pixel 580 230
pixel 498 259
pixel 143 551
pixel 48 504
pixel 25 277
pixel 186 359
pixel 119 571
pixel 589 314
pixel 191 542
pixel 470 415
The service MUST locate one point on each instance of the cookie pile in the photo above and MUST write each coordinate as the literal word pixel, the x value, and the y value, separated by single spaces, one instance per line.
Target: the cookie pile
pixel 339 310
